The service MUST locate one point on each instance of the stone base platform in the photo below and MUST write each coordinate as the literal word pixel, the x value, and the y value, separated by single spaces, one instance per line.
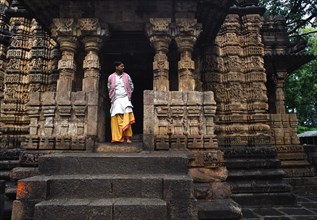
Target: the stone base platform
pixel 133 147
pixel 144 186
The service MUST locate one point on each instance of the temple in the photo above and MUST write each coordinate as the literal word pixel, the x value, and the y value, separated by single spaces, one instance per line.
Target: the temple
pixel 211 134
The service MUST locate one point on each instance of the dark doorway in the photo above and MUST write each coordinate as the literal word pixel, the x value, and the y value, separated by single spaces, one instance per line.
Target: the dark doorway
pixel 134 50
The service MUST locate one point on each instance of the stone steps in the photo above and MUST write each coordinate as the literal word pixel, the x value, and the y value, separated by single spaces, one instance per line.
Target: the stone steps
pixel 120 208
pixel 295 163
pixel 134 147
pixel 256 177
pixel 256 173
pixel 145 185
pixel 113 163
pixel 102 186
pixel 234 163
pixel 303 184
pixel 9 164
pixel 259 187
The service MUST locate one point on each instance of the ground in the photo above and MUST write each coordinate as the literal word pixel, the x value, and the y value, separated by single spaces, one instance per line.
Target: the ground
pixel 306 209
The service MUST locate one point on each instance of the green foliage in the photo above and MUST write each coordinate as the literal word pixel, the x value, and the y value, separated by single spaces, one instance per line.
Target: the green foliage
pixel 301 129
pixel 301 86
pixel 298 13
pixel 301 89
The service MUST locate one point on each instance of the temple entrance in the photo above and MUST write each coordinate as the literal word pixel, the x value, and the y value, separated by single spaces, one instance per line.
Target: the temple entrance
pixel 134 50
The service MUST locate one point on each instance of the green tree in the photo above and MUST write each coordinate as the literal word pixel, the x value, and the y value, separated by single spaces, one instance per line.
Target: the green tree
pixel 298 13
pixel 301 86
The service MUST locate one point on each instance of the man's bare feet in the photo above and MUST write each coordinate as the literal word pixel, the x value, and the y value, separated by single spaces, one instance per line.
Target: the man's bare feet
pixel 129 141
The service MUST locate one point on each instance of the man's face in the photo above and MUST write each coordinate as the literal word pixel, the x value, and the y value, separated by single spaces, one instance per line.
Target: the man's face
pixel 120 68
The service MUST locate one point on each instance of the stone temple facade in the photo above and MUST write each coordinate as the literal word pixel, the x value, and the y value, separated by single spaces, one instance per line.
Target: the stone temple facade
pixel 209 78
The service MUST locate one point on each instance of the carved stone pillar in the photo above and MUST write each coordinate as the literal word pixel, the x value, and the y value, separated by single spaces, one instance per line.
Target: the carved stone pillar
pixel 38 60
pixel 187 31
pixel 4 42
pixel 159 33
pixel 92 39
pixel 91 64
pixel 64 29
pixel 279 92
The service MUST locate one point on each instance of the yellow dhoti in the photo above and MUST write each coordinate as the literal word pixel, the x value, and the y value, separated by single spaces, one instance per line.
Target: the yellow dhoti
pixel 121 126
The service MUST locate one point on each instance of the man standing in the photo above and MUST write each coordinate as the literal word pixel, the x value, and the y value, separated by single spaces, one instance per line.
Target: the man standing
pixel 120 89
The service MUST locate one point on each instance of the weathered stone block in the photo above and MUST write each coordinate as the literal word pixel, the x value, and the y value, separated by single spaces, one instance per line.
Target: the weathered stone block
pixel 62 143
pixel 78 143
pixel 48 98
pixel 177 98
pixel 161 98
pixel 226 208
pixel 23 210
pixel 194 98
pixel 153 209
pixel 92 121
pixel 33 188
pixel 178 141
pixel 73 209
pixel 148 142
pixel 79 187
pixel 177 187
pixel 45 144
pixel 78 98
pixel 195 142
pixel 19 173
pixel 207 158
pixel 205 175
pixel 208 98
pixel 63 98
pixel 148 97
pixel 162 143
pixel 34 99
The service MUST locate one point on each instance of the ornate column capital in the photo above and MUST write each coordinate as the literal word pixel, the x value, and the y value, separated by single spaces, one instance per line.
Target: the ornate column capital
pixel 159 26
pixel 92 26
pixel 186 33
pixel 159 33
pixel 64 27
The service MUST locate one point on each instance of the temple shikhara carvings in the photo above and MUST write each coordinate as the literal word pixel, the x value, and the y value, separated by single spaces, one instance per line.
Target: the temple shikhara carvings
pixel 212 133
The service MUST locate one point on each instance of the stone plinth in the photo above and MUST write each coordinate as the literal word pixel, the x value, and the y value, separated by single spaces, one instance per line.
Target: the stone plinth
pixel 179 120
pixel 146 185
pixel 58 121
pixel 292 155
pixel 185 120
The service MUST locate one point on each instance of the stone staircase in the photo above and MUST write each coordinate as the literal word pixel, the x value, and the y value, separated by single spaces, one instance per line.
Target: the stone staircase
pixel 144 185
pixel 9 159
pixel 256 177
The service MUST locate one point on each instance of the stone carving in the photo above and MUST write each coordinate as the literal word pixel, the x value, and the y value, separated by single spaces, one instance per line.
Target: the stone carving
pixel 63 26
pixel 240 83
pixel 186 120
pixel 180 119
pixel 88 24
pixel 187 32
pixel 289 151
pixel 160 25
pixel 67 61
pixel 91 61
pixel 159 33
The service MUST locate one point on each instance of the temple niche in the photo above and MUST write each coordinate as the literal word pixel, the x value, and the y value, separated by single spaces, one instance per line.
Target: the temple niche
pixel 209 78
